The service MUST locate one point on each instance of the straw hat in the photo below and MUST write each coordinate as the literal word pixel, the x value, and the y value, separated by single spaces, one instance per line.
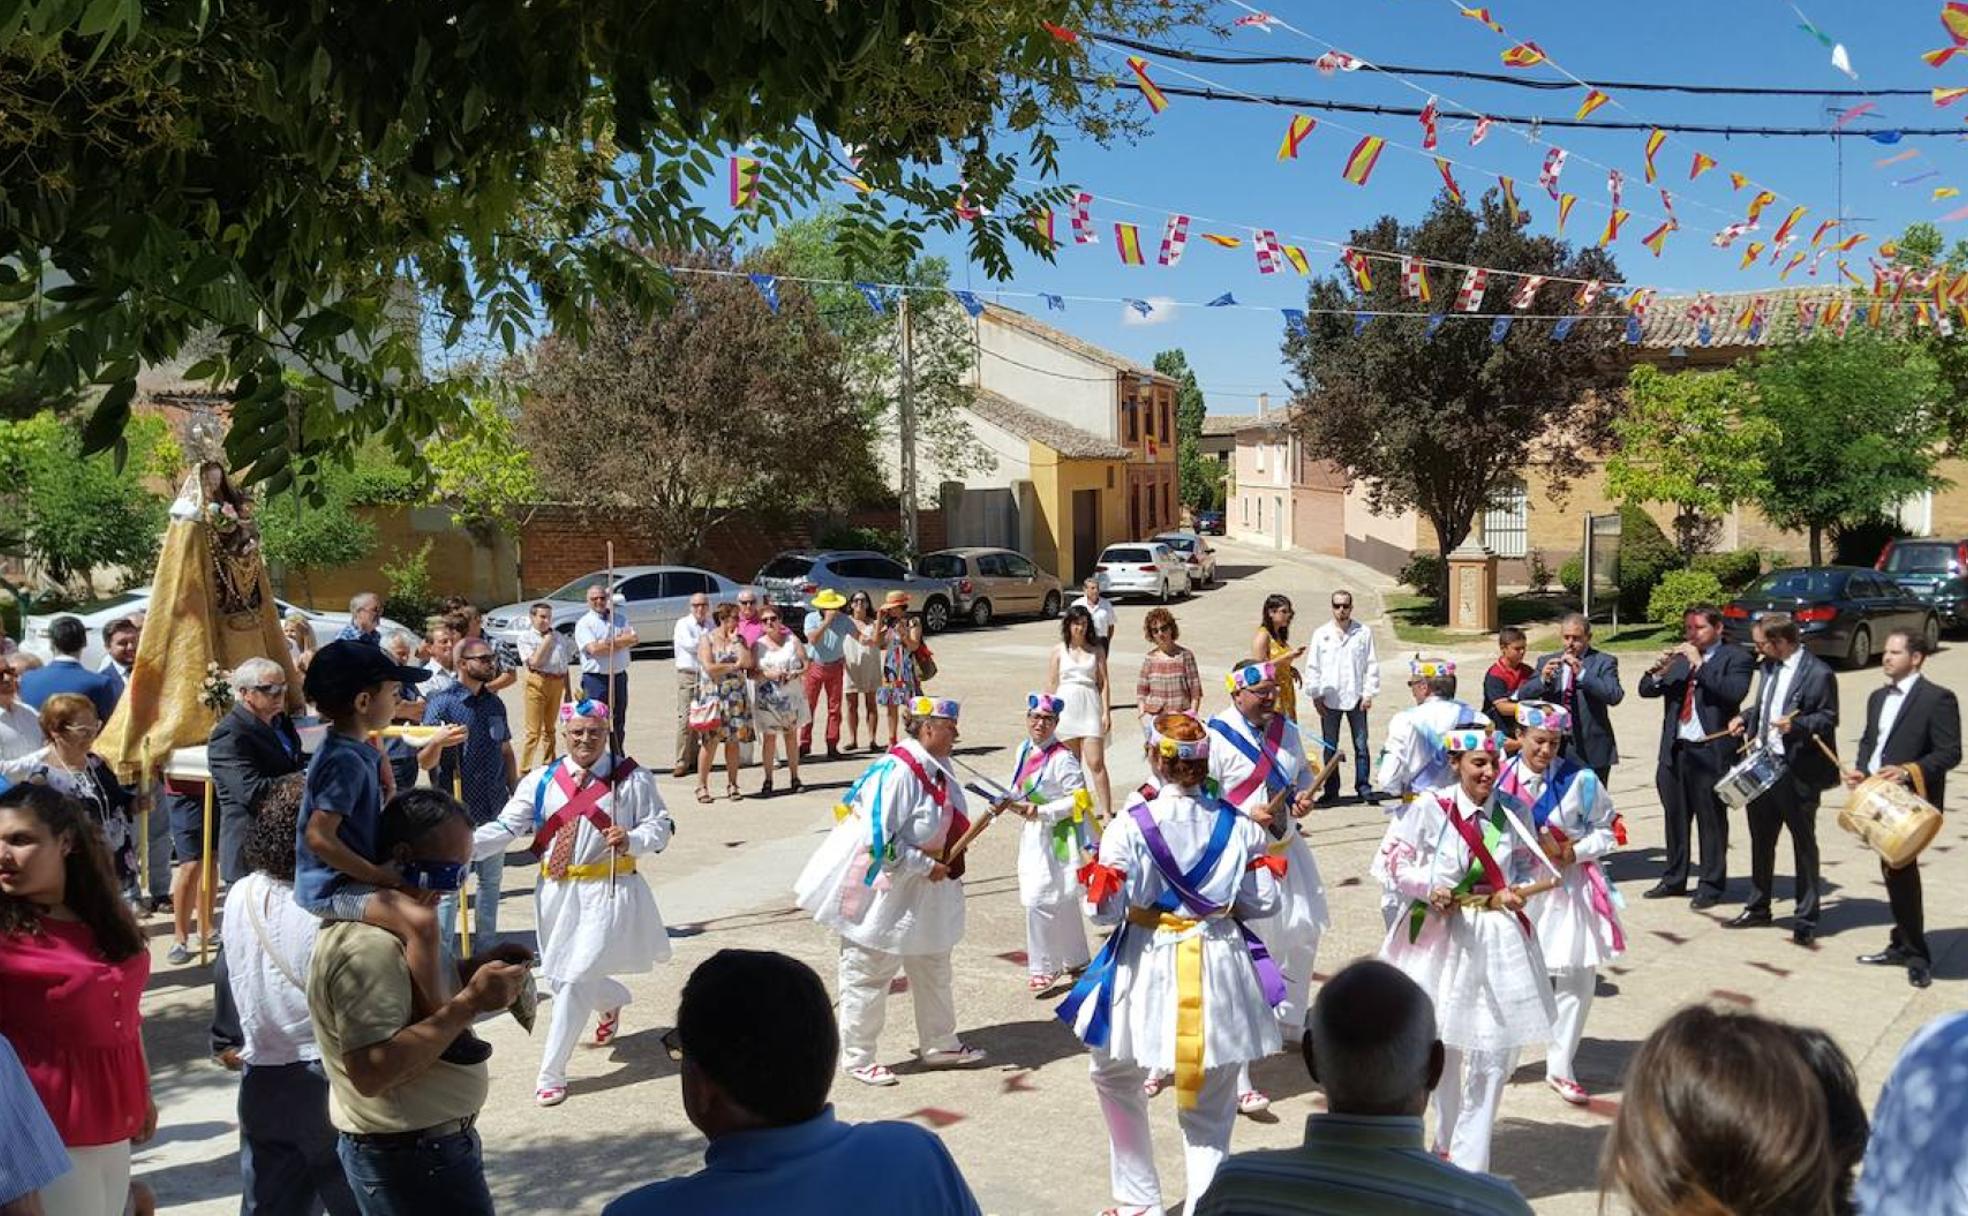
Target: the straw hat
pixel 896 599
pixel 828 598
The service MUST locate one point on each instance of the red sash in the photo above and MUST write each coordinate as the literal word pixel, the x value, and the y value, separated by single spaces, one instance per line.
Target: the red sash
pixel 1267 754
pixel 957 824
pixel 583 803
pixel 1472 835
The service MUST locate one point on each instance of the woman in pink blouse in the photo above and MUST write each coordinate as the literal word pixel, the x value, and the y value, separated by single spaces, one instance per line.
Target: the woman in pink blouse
pixel 73 965
pixel 1169 683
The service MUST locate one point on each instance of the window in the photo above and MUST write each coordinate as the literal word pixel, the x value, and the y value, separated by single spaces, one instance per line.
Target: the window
pixel 941 565
pixel 1110 476
pixel 991 565
pixel 1243 510
pixel 1168 423
pixel 1262 448
pixel 1168 502
pixel 1133 421
pixel 678 583
pixel 1506 523
pixel 641 587
pixel 1017 567
pixel 788 566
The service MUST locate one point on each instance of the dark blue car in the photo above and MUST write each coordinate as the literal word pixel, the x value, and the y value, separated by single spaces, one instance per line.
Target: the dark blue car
pixel 1843 612
pixel 1933 570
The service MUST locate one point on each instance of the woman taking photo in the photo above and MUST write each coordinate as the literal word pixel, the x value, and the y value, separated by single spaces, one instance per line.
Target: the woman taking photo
pixel 72 971
pixel 781 700
pixel 898 636
pixel 724 661
pixel 864 668
pixel 1269 645
pixel 1169 682
pixel 1077 675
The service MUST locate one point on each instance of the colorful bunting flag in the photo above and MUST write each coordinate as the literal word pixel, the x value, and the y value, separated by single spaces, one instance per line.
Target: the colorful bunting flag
pixel 1526 293
pixel 1790 221
pixel 1738 180
pixel 1727 236
pixel 1763 199
pixel 1227 242
pixel 1301 126
pixel 1060 33
pixel 1500 328
pixel 1554 164
pixel 1175 237
pixel 857 184
pixel 1851 242
pixel 1081 218
pixel 873 295
pixel 1823 227
pixel 1613 222
pixel 1588 295
pixel 1260 21
pixel 1360 320
pixel 1476 133
pixel 1935 58
pixel 768 289
pixel 1954 18
pixel 1294 320
pixel 1667 205
pixel 1127 241
pixel 1796 260
pixel 1043 223
pixel 1296 257
pixel 1563 329
pixel 1656 239
pixel 1516 213
pixel 1941 192
pixel 1053 303
pixel 1848 115
pixel 1414 280
pixel 742 174
pixel 1633 331
pixel 1156 101
pixel 1359 267
pixel 1448 179
pixel 1360 165
pixel 1523 55
pixel 1265 243
pixel 1615 185
pixel 1751 252
pixel 1336 61
pixel 1638 302
pixel 1565 202
pixel 1593 100
pixel 1855 280
pixel 1654 141
pixel 1226 300
pixel 1469 297
pixel 1482 17
pixel 1434 323
pixel 1952 216
pixel 1703 163
pixel 1895 159
pixel 1141 306
pixel 1428 118
pixel 1947 97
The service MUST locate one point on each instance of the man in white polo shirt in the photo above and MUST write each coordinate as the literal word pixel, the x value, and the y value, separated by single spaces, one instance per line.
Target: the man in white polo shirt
pixel 689 631
pixel 1100 609
pixel 603 639
pixel 1342 673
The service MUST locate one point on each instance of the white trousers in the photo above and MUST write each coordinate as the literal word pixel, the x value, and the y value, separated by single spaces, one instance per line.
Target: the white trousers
pixel 573 1005
pixel 1205 1131
pixel 864 978
pixel 1572 991
pixel 1055 939
pixel 1466 1103
pixel 97 1183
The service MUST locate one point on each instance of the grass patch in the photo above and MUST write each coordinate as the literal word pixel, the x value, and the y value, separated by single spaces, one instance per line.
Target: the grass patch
pixel 1413 617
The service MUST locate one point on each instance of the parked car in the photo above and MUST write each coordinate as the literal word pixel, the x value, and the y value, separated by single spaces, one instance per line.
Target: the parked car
pixel 1144 567
pixel 1935 571
pixel 1843 612
pixel 1195 552
pixel 792 578
pixel 993 582
pixel 653 598
pixel 325 624
pixel 1210 523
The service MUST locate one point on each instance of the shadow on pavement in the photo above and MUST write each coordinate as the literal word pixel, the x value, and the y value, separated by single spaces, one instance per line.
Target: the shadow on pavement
pixel 1544 1159
pixel 1027 1044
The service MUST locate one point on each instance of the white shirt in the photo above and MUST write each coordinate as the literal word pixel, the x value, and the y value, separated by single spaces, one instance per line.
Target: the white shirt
pixel 439 679
pixel 273 1010
pixel 684 642
pixel 592 628
pixel 552 651
pixel 1786 674
pixel 1889 713
pixel 20 731
pixel 1341 668
pixel 1691 731
pixel 1102 613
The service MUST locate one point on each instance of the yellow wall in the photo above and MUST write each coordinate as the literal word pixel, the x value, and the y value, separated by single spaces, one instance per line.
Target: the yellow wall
pixel 458 563
pixel 1054 480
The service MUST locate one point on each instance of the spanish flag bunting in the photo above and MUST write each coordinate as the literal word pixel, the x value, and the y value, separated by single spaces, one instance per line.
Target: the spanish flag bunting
pixel 1954 16
pixel 1889 250
pixel 1922 315
pixel 857 183
pixel 1782 233
pixel 1637 302
pixel 1127 238
pixel 1482 17
pixel 1153 95
pixel 1941 192
pixel 1359 267
pixel 1824 226
pixel 1448 179
pixel 1043 223
pixel 1296 257
pixel 1657 238
pixel 1940 55
pixel 1947 97
pixel 1301 126
pixel 1593 100
pixel 1737 181
pixel 1360 165
pixel 1613 222
pixel 1796 260
pixel 1510 206
pixel 1847 272
pixel 1523 55
pixel 742 174
pixel 1763 199
pixel 1654 142
pixel 1851 242
pixel 1227 242
pixel 1751 252
pixel 1747 316
pixel 1832 310
pixel 1565 202
pixel 1703 163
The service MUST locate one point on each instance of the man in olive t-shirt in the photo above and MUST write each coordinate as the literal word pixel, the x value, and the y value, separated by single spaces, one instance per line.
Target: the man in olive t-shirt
pixel 405 1116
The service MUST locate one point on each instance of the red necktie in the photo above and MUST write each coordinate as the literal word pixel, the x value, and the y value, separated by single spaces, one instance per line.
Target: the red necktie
pixel 1688 700
pixel 561 853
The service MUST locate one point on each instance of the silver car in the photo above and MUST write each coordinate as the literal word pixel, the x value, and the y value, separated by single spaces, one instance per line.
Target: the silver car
pixel 653 598
pixel 793 578
pixel 34 630
pixel 994 582
pixel 1195 552
pixel 1142 567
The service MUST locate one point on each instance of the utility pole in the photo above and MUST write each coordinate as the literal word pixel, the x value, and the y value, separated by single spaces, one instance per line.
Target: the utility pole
pixel 906 417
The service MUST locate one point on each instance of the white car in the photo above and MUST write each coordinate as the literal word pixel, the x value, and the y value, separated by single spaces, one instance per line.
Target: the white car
pixel 653 598
pixel 1195 551
pixel 1143 567
pixel 326 624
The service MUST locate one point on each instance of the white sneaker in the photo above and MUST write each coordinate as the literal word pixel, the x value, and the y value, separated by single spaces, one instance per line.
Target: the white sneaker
pixel 961 1056
pixel 874 1074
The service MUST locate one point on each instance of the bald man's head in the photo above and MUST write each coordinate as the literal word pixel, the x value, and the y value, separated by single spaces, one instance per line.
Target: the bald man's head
pixel 1371 1043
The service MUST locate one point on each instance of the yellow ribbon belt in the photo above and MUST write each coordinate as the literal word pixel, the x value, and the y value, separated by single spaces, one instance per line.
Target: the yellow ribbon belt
pixel 600 869
pixel 1188 1000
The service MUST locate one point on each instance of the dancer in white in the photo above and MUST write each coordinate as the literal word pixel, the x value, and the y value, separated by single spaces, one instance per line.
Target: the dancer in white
pixel 1459 857
pixel 1566 806
pixel 1412 759
pixel 1053 800
pixel 880 881
pixel 589 815
pixel 1181 985
pixel 1259 764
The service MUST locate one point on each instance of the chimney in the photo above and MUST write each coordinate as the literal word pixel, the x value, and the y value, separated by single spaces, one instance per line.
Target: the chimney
pixel 1263 404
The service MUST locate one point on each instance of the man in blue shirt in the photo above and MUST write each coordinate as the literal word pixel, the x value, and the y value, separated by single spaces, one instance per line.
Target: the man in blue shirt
pixel 365 620
pixel 474 759
pixel 757 1045
pixel 35 1156
pixel 67 636
pixel 826 633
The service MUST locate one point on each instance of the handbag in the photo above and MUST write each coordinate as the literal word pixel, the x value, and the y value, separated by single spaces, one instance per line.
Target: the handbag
pixel 925 663
pixel 706 713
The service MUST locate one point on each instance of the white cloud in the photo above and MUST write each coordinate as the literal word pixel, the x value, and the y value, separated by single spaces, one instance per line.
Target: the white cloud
pixel 1164 307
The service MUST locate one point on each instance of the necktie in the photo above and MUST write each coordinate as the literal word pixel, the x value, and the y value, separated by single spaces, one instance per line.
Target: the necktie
pixel 1770 674
pixel 561 852
pixel 1688 698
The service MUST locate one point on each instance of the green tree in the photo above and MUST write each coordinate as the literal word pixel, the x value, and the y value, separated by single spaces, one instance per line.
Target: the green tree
pixel 1201 478
pixel 1692 440
pixel 79 515
pixel 481 471
pixel 304 533
pixel 1441 424
pixel 313 182
pixel 1859 427
pixel 1921 250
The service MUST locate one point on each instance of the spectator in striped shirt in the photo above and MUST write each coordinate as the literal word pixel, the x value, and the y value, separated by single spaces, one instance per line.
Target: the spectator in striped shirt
pixel 1371 1045
pixel 1168 683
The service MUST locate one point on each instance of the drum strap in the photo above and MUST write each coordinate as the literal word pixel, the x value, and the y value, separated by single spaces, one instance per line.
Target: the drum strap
pixel 1918 778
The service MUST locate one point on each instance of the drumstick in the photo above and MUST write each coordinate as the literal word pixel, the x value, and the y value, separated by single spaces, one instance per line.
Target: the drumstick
pixel 1713 735
pixel 1833 757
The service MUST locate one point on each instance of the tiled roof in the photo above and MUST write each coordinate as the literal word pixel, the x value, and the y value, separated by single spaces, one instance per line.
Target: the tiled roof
pixel 1668 324
pixel 1046 333
pixel 1028 423
pixel 1226 424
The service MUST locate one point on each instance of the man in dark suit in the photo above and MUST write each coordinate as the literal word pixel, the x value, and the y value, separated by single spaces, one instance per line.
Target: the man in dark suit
pixel 1587 683
pixel 1701 684
pixel 1912 735
pixel 67 636
pixel 1796 700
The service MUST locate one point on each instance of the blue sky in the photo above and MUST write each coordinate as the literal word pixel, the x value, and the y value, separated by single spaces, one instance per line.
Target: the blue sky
pixel 1218 160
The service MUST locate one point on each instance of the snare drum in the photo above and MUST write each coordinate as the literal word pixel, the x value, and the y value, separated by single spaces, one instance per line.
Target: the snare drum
pixel 1891 820
pixel 1752 777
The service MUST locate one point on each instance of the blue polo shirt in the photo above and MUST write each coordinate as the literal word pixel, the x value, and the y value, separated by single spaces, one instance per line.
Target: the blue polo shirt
pixel 831 646
pixel 821 1167
pixel 479 763
pixel 344 777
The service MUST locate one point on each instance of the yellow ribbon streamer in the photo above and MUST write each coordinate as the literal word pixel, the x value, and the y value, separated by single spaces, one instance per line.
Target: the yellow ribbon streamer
pixel 1188 1001
pixel 599 869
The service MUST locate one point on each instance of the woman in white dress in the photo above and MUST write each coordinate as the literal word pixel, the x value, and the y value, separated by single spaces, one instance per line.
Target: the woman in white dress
pixel 863 670
pixel 1077 676
pixel 1457 856
pixel 1052 799
pixel 779 705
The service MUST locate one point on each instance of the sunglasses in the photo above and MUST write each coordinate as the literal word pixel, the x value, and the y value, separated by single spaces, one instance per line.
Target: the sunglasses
pixel 770 620
pixel 1342 606
pixel 269 690
pixel 82 729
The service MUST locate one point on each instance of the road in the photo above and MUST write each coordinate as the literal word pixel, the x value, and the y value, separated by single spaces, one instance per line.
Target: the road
pixel 1026 1129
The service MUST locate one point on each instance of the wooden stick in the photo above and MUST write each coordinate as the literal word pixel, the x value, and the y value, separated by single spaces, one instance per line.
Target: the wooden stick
pixel 975 830
pixel 1833 757
pixel 1473 900
pixel 1713 735
pixel 1325 771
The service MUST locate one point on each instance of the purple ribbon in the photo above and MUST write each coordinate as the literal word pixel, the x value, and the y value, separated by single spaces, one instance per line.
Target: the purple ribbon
pixel 1183 885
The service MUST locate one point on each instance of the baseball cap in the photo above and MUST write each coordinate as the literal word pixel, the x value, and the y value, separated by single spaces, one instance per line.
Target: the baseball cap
pixel 341 669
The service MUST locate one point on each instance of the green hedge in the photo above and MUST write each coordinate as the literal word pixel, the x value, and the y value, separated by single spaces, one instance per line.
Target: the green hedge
pixel 1571 576
pixel 1680 590
pixel 1645 555
pixel 1733 571
pixel 1424 573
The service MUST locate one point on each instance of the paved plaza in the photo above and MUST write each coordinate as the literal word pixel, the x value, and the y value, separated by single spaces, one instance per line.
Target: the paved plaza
pixel 1026 1128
